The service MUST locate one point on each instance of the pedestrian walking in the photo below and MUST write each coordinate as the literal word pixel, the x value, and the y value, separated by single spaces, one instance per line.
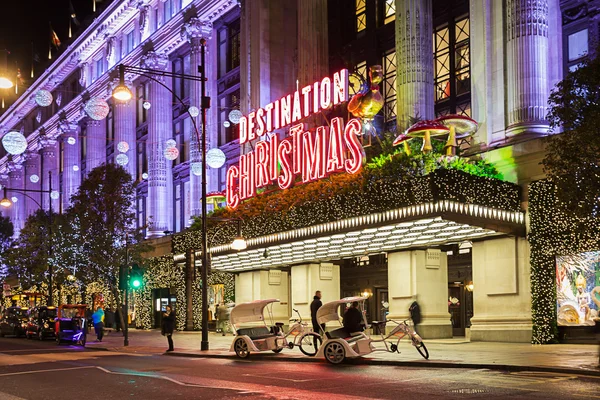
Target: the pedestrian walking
pixel 415 314
pixel 314 307
pixel 98 321
pixel 168 325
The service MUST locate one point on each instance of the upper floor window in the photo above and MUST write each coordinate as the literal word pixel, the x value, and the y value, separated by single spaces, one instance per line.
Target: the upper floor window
pixel 577 45
pixel 389 86
pixel 452 71
pixel 229 47
pixel 361 15
pixel 141 96
pixel 129 42
pixel 99 68
pixel 389 12
pixel 154 24
pixel 360 72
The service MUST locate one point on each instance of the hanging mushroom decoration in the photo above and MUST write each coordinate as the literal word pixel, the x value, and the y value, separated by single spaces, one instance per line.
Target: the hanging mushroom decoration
pixel 425 130
pixel 460 127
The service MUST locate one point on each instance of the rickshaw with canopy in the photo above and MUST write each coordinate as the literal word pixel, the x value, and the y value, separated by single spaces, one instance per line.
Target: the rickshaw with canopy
pixel 340 344
pixel 253 334
pixel 71 324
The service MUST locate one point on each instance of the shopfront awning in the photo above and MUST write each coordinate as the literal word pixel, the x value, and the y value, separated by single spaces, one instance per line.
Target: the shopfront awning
pixel 417 226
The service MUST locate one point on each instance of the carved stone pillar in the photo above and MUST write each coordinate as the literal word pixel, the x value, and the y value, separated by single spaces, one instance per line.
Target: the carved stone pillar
pixel 32 180
pixel 71 178
pixel 95 145
pixel 196 30
pixel 527 66
pixel 160 129
pixel 414 53
pixel 17 212
pixel 125 125
pixel 313 57
pixel 49 168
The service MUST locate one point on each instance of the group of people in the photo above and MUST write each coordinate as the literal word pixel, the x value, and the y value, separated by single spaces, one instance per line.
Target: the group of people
pixel 353 318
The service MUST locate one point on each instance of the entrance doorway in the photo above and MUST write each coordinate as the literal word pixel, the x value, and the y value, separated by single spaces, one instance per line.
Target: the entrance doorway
pixel 161 298
pixel 460 287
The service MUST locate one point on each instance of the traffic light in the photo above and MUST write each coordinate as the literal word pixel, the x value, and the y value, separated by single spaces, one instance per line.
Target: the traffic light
pixel 123 277
pixel 135 277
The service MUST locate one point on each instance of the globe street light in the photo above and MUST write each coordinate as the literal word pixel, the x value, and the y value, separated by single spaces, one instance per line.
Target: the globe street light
pixel 5 83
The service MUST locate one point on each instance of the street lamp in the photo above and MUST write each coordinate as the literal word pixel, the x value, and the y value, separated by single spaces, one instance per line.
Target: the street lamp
pixel 6 202
pixel 5 83
pixel 123 93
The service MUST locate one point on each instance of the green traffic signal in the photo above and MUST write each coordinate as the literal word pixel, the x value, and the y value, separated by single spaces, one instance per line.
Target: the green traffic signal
pixel 135 277
pixel 136 283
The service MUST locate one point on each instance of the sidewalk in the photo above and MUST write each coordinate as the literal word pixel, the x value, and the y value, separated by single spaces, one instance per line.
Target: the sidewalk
pixel 450 353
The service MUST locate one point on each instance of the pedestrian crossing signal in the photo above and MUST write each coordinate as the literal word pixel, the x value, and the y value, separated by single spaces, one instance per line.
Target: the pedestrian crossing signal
pixel 135 277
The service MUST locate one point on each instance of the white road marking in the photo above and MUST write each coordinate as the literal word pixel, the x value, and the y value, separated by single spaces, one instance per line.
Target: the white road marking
pixel 45 370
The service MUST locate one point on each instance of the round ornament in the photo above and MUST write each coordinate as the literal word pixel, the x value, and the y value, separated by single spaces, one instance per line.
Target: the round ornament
pixel 171 153
pixel 226 124
pixel 122 159
pixel 215 158
pixel 14 143
pixel 75 168
pixel 194 112
pixel 123 147
pixel 145 175
pixel 14 199
pixel 146 104
pixel 96 108
pixel 43 98
pixel 71 140
pixel 196 168
pixel 54 195
pixel 235 115
pixel 170 143
pixel 34 178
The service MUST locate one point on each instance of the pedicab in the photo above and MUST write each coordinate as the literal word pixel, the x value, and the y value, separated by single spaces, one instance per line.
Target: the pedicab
pixel 263 337
pixel 340 344
pixel 71 324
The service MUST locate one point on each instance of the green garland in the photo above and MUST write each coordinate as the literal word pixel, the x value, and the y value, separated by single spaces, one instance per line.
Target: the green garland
pixel 554 230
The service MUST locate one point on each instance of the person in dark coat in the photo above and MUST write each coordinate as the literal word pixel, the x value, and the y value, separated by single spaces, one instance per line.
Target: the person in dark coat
pixel 314 307
pixel 353 319
pixel 168 325
pixel 415 314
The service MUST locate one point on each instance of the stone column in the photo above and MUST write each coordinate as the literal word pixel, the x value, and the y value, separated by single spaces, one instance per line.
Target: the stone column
pixel 313 56
pixel 414 53
pixel 196 30
pixel 71 169
pixel 32 180
pixel 527 66
pixel 17 212
pixel 160 129
pixel 306 280
pixel 125 125
pixel 95 146
pixel 49 167
pixel 420 275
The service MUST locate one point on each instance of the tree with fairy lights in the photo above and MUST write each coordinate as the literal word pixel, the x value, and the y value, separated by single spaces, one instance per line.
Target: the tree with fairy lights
pixel 6 234
pixel 573 159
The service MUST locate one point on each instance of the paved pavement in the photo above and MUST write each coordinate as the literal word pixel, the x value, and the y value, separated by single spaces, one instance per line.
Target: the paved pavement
pixel 34 370
pixel 451 353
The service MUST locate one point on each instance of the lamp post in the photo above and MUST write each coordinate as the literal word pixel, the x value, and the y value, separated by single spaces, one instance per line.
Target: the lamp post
pixel 6 202
pixel 123 93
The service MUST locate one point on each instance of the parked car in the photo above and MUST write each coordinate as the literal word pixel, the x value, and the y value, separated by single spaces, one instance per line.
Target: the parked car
pixel 14 321
pixel 41 322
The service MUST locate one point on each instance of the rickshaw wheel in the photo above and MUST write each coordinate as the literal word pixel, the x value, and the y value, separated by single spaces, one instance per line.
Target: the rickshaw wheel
pixel 241 348
pixel 277 350
pixel 310 343
pixel 334 352
pixel 423 350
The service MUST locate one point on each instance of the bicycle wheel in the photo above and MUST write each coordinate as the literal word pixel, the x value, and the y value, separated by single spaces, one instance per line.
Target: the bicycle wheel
pixel 422 350
pixel 310 343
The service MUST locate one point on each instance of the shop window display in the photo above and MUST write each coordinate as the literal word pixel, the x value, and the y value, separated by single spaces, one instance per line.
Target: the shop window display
pixel 578 289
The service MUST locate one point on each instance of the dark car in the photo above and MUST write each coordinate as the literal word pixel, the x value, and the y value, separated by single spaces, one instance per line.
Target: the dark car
pixel 14 321
pixel 41 322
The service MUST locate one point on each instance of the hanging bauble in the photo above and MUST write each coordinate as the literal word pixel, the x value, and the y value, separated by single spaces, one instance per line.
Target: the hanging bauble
pixel 14 199
pixel 43 98
pixel 145 175
pixel 194 112
pixel 226 124
pixel 215 158
pixel 122 159
pixel 123 147
pixel 170 143
pixel 54 195
pixel 34 178
pixel 75 168
pixel 97 108
pixel 146 104
pixel 235 115
pixel 14 143
pixel 196 168
pixel 71 140
pixel 171 153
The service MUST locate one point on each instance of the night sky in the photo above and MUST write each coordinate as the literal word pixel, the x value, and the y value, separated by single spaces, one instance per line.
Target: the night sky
pixel 25 31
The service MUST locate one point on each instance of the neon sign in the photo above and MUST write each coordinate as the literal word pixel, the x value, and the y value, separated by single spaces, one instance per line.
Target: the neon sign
pixel 309 154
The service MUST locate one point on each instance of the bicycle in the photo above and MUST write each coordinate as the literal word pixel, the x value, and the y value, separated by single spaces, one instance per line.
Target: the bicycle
pixel 307 340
